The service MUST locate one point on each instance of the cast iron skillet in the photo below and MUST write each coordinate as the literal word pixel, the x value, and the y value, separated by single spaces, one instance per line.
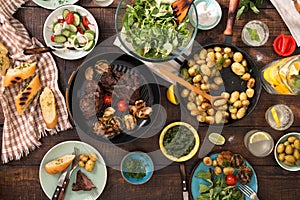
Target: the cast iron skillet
pixel 232 82
pixel 121 62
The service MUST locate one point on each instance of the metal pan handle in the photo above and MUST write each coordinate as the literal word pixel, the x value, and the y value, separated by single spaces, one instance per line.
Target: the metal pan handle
pixel 232 10
pixel 68 75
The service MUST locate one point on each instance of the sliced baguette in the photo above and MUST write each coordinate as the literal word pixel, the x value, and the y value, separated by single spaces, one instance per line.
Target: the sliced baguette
pixel 59 164
pixel 48 107
pixel 4 60
pixel 16 75
pixel 26 95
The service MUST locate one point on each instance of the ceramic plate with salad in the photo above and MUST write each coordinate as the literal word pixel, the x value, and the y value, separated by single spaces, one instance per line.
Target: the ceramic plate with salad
pixel 53 4
pixel 217 176
pixel 71 31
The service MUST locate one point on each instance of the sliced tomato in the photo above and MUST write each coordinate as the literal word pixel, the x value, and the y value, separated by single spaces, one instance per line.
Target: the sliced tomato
pixel 52 38
pixel 284 45
pixel 60 20
pixel 85 21
pixel 70 18
pixel 107 99
pixel 79 30
pixel 122 106
pixel 230 180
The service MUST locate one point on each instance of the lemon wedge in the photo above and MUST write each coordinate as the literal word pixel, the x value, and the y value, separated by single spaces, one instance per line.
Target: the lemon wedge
pixel 259 136
pixel 275 117
pixel 216 139
pixel 171 95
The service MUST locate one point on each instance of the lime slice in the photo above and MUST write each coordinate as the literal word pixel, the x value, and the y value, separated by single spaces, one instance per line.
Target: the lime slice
pixel 275 117
pixel 259 136
pixel 171 95
pixel 216 139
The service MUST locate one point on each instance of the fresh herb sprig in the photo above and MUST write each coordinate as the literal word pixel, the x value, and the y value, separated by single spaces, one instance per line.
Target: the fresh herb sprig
pixel 245 5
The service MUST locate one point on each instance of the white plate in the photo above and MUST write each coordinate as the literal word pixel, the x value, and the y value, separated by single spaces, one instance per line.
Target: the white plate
pixel 98 176
pixel 53 4
pixel 47 31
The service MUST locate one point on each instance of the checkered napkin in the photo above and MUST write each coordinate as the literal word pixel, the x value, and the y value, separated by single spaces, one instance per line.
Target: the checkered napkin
pixel 21 133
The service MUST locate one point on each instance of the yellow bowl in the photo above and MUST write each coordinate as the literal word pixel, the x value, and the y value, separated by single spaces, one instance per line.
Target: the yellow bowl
pixel 191 153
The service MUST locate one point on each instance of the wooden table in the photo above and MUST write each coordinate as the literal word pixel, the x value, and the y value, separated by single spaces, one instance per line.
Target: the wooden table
pixel 20 179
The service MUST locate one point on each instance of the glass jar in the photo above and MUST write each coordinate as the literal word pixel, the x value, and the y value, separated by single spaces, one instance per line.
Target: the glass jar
pixel 282 76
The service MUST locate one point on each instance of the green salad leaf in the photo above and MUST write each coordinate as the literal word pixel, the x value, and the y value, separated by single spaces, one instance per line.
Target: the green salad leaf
pixel 152 29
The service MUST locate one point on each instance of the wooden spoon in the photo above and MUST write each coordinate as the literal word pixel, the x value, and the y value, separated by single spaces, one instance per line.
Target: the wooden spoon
pixel 186 84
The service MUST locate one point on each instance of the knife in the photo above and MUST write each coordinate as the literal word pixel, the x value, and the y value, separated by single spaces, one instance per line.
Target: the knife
pixel 185 192
pixel 66 181
pixel 60 184
pixel 207 146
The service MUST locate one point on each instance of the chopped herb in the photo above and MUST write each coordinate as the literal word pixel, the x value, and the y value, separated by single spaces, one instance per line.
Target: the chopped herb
pixel 221 61
pixel 253 34
pixel 134 168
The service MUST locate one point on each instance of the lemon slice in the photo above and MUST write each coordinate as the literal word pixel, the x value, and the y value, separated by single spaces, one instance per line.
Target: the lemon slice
pixel 259 136
pixel 275 117
pixel 171 95
pixel 216 139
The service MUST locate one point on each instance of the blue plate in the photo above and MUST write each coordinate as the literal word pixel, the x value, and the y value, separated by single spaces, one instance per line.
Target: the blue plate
pixel 194 184
pixel 146 161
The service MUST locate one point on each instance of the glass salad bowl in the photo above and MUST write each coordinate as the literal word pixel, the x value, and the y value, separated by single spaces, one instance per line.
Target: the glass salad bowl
pixel 148 30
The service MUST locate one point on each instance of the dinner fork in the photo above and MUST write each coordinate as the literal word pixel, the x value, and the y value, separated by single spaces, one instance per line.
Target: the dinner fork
pixel 248 191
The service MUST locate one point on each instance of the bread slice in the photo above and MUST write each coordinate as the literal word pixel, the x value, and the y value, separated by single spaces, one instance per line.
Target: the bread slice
pixel 27 94
pixel 48 107
pixel 4 60
pixel 59 164
pixel 22 72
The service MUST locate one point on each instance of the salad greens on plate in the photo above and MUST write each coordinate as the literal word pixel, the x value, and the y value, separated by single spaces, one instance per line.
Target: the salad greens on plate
pixel 151 28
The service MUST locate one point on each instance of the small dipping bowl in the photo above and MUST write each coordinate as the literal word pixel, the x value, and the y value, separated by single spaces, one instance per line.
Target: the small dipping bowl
pixel 262 32
pixel 146 161
pixel 208 18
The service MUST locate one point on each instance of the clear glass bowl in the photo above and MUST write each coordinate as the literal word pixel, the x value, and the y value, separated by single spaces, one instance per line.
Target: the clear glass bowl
pixel 126 37
pixel 262 33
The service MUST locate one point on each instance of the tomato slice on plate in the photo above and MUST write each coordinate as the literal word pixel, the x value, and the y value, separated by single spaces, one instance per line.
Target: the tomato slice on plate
pixel 70 18
pixel 107 99
pixel 122 106
pixel 85 21
pixel 284 45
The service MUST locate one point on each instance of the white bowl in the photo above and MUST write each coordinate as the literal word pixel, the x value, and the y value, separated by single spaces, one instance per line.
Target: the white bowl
pixel 68 54
pixel 282 140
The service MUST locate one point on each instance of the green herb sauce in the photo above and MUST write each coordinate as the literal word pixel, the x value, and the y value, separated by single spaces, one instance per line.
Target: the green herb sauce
pixel 134 168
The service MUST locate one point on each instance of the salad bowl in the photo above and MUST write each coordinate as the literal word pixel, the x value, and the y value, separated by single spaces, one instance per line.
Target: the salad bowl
pixel 150 32
pixel 71 31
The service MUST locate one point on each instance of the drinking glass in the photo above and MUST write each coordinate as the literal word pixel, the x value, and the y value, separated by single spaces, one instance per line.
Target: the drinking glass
pixel 279 117
pixel 259 143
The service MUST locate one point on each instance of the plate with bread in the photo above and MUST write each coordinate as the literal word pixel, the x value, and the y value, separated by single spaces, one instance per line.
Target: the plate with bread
pixel 86 182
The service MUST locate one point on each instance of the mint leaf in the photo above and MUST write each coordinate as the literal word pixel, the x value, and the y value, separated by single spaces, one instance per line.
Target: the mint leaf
pixel 253 34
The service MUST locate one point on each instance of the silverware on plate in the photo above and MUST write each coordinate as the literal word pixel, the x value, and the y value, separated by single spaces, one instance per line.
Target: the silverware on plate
pixel 248 191
pixel 60 183
pixel 185 192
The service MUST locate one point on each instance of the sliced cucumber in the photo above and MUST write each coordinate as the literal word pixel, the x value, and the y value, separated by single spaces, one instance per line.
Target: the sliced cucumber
pixel 65 13
pixel 77 19
pixel 82 27
pixel 72 28
pixel 89 45
pixel 72 35
pixel 66 32
pixel 89 34
pixel 60 38
pixel 56 25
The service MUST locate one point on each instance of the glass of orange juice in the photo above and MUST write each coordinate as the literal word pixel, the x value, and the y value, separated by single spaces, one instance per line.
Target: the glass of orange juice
pixel 282 76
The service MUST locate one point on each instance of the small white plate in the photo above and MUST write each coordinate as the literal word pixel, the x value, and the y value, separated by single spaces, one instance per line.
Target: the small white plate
pixel 98 176
pixel 53 4
pixel 47 31
pixel 218 17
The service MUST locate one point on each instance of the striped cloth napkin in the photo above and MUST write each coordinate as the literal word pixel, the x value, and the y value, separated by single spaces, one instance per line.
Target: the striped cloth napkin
pixel 21 133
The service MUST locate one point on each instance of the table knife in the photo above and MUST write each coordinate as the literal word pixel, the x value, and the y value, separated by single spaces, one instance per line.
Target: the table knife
pixel 59 184
pixel 185 192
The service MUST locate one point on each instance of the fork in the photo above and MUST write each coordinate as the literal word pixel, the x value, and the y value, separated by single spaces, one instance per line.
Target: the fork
pixel 248 191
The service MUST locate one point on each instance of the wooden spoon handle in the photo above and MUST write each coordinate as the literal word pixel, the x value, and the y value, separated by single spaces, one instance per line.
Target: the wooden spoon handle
pixel 232 10
pixel 186 84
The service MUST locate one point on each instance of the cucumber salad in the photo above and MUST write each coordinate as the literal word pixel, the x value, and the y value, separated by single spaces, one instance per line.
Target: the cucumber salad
pixel 73 31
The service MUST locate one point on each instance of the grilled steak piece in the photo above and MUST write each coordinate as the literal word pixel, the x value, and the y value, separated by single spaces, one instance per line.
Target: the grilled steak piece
pixel 91 104
pixel 108 81
pixel 91 86
pixel 82 182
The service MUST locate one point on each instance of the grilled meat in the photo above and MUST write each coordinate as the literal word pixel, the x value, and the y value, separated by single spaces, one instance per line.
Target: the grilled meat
pixel 82 182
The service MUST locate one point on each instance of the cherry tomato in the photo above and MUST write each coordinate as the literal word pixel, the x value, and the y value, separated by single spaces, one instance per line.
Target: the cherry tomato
pixel 52 38
pixel 107 99
pixel 60 20
pixel 284 45
pixel 122 106
pixel 70 18
pixel 230 180
pixel 85 21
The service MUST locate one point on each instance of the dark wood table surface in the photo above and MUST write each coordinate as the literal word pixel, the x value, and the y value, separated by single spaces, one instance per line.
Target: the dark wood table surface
pixel 20 179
